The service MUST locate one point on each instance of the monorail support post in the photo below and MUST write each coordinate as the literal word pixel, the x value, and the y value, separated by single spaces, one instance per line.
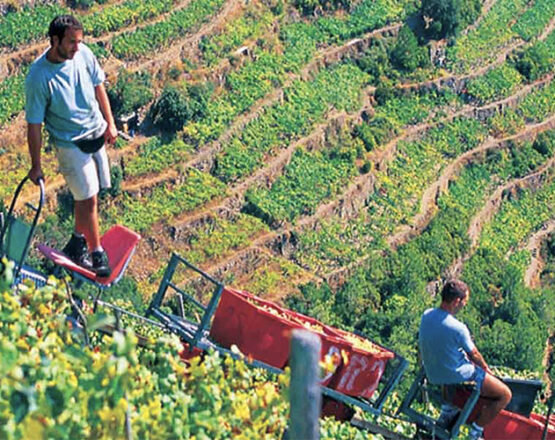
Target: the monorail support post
pixel 305 393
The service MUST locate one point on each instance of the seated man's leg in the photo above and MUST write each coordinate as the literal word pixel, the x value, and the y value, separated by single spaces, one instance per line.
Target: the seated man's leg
pixel 498 397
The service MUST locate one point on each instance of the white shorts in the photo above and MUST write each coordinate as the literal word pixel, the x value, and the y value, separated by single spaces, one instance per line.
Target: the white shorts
pixel 84 173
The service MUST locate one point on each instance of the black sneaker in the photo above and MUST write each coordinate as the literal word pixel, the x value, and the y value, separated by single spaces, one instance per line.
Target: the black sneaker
pixel 100 264
pixel 77 251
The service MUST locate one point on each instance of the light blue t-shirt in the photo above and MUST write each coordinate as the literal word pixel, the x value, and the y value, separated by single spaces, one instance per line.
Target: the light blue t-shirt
pixel 444 342
pixel 62 95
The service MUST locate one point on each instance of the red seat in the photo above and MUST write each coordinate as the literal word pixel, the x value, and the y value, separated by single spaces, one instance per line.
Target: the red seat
pixel 119 243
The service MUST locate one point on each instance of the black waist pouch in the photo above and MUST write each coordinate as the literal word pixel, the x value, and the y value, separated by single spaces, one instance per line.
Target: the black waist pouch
pixel 90 146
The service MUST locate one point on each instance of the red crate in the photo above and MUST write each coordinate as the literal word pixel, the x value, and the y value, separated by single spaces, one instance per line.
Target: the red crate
pixel 361 370
pixel 512 426
pixel 258 333
pixel 261 330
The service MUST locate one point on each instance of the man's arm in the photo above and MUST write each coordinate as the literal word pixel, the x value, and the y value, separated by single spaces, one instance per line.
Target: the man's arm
pixel 104 103
pixel 478 359
pixel 34 139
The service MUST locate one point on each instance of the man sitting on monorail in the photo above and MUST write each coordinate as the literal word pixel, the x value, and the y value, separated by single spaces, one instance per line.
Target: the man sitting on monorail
pixel 450 357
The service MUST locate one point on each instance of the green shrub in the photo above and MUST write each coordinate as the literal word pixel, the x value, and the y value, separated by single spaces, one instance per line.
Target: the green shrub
pixel 176 106
pixel 407 55
pixel 366 167
pixel 375 61
pixel 375 132
pixel 384 93
pixel 545 143
pixel 130 92
pixel 309 6
pixel 448 17
pixel 535 61
pixel 116 177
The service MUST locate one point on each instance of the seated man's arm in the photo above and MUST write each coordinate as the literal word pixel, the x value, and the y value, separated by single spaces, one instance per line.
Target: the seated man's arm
pixel 478 359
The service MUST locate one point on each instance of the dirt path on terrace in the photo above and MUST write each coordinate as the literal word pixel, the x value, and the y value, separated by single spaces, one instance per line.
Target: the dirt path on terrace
pixel 227 12
pixel 532 274
pixel 12 133
pixel 418 224
pixel 549 362
pixel 490 208
pixel 354 197
pixel 428 203
pixel 549 28
pixel 486 6
pixel 11 60
pixel 204 158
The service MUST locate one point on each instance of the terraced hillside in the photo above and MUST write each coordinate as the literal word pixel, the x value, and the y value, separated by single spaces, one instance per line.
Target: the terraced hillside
pixel 320 155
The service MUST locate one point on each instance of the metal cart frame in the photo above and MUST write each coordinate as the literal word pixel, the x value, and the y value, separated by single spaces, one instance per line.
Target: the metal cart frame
pixel 196 334
pixel 8 231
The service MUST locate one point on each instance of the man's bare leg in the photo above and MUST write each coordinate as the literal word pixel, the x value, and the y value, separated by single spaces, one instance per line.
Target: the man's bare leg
pixel 498 394
pixel 86 221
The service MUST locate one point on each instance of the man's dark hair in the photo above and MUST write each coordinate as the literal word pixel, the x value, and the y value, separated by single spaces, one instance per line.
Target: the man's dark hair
pixel 59 25
pixel 454 289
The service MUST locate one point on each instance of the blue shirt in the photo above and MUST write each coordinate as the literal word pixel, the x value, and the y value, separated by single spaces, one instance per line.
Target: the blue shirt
pixel 444 342
pixel 62 95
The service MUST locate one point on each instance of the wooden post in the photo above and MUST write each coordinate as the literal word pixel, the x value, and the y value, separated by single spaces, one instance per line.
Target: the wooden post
pixel 305 393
